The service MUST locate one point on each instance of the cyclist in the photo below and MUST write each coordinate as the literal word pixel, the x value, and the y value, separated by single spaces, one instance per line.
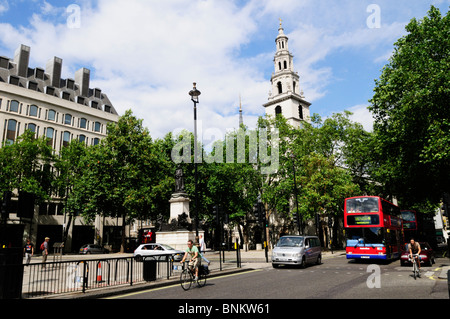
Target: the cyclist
pixel 414 248
pixel 195 259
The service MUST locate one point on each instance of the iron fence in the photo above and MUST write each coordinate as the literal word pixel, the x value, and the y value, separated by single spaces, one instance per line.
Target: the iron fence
pixel 41 279
pixel 88 273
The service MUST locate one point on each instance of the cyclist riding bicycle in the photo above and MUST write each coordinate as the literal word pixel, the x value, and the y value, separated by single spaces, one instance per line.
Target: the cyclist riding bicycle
pixel 195 259
pixel 414 249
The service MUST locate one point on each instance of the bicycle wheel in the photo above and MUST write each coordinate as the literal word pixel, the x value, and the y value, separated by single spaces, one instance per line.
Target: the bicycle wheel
pixel 201 279
pixel 186 279
pixel 415 270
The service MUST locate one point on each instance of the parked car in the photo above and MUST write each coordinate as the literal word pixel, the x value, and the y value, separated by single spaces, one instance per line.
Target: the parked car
pixel 297 250
pixel 145 250
pixel 426 255
pixel 93 249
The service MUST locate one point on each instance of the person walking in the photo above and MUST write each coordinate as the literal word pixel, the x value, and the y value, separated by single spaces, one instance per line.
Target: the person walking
pixel 44 248
pixel 28 250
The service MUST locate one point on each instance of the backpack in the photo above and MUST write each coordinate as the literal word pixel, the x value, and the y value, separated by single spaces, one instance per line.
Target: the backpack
pixel 43 246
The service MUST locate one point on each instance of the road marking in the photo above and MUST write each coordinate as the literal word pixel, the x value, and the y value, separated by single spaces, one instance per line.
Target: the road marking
pixel 178 284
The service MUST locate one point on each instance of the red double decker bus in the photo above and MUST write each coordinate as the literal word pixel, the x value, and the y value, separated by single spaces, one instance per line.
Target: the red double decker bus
pixel 373 228
pixel 409 220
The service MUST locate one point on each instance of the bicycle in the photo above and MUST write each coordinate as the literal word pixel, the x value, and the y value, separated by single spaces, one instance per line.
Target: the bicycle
pixel 187 277
pixel 416 272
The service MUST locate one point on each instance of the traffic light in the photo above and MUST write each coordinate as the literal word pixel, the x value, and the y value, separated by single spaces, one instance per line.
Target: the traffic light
pixel 295 217
pixel 256 212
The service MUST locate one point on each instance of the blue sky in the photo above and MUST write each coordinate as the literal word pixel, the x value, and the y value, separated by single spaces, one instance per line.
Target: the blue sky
pixel 145 54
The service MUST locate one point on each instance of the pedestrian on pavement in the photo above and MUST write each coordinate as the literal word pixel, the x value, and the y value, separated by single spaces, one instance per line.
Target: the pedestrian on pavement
pixel 202 244
pixel 202 248
pixel 44 248
pixel 28 250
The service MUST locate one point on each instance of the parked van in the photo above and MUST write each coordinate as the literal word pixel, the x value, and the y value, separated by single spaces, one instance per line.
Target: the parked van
pixel 297 250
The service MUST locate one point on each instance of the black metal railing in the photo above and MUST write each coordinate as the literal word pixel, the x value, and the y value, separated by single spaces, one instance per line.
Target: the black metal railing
pixel 61 277
pixel 88 273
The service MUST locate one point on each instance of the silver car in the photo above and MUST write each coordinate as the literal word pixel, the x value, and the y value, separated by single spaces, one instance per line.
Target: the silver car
pixel 158 250
pixel 297 250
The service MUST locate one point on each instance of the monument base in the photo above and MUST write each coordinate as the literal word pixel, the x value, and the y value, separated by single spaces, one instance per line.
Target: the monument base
pixel 177 239
pixel 179 204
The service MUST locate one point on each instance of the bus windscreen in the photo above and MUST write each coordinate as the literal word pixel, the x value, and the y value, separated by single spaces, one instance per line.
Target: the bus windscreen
pixel 362 205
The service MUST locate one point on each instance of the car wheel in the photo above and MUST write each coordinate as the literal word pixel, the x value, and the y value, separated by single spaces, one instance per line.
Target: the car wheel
pixel 303 264
pixel 274 265
pixel 319 260
pixel 138 258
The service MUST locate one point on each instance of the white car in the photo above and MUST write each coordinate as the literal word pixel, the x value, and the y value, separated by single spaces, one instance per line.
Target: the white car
pixel 145 250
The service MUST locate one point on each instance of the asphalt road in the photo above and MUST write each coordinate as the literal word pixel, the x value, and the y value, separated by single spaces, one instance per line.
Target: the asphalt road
pixel 335 278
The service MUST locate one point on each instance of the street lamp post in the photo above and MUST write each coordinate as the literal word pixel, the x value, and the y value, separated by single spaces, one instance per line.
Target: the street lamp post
pixel 194 93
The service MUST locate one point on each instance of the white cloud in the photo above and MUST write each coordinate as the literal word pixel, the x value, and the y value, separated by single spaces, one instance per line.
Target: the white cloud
pixel 145 54
pixel 4 6
pixel 362 115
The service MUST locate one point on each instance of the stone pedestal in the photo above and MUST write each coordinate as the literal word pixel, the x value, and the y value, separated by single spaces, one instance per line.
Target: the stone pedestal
pixel 179 204
pixel 177 239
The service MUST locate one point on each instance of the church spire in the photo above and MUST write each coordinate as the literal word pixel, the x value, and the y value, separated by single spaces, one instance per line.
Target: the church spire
pixel 286 97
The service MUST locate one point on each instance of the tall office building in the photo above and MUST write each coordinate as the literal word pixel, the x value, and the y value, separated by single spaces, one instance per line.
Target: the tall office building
pixel 62 110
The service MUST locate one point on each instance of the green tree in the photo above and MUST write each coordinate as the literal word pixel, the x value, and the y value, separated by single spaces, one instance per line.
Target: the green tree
pixel 412 122
pixel 25 166
pixel 121 174
pixel 69 171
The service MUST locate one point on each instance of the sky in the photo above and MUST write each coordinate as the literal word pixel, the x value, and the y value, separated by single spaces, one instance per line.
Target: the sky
pixel 146 54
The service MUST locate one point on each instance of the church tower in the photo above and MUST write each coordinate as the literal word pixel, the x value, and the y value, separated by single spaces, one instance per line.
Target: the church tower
pixel 286 98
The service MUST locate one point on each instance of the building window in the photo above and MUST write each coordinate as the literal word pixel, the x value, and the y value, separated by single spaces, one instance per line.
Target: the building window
pixel 33 111
pixel 50 90
pixel 66 96
pixel 14 106
pixel 32 85
pixel 80 100
pixel 11 132
pixel 50 135
pixel 51 116
pixel 82 138
pixel 278 110
pixel 14 80
pixel 285 65
pixel 32 127
pixel 66 139
pixel 97 126
pixel 96 141
pixel 280 87
pixel 68 119
pixel 83 123
pixel 300 111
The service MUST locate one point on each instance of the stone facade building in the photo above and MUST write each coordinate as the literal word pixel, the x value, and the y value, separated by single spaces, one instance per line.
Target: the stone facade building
pixel 62 110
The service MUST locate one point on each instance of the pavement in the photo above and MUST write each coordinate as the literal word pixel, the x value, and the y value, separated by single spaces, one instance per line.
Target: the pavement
pixel 250 260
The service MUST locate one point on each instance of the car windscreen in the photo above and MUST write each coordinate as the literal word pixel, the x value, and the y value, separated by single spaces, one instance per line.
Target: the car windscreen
pixel 290 242
pixel 167 247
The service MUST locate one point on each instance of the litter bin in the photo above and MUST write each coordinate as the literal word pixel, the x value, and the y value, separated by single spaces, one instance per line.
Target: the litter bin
pixel 149 268
pixel 11 273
